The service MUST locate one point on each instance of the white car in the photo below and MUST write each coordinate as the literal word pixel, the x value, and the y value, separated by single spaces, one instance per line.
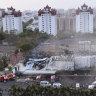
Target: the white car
pixel 44 83
pixel 90 86
pixel 58 85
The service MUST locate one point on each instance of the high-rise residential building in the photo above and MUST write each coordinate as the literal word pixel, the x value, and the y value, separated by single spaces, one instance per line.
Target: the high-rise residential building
pixel 60 12
pixel 1 11
pixel 12 21
pixel 48 20
pixel 84 19
pixel 66 23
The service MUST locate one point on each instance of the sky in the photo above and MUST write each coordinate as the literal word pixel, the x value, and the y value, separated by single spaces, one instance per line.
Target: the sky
pixel 39 4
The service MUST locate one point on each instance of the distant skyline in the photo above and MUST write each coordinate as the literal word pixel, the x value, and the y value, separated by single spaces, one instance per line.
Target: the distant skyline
pixel 39 4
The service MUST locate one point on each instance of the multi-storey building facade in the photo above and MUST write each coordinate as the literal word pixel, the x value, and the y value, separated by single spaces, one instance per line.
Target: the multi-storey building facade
pixel 48 20
pixel 84 19
pixel 12 21
pixel 66 23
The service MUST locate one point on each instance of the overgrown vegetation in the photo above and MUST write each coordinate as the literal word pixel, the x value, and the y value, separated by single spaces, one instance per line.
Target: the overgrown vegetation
pixel 26 40
pixel 30 39
pixel 2 36
pixel 34 90
pixel 3 63
pixel 26 24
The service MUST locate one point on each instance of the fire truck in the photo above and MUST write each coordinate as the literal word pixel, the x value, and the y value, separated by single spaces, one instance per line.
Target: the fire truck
pixel 11 76
pixel 1 78
pixel 6 77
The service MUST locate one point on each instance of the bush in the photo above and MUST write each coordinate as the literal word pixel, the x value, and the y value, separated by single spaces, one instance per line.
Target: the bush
pixel 3 63
pixel 26 24
pixel 10 68
pixel 33 90
pixel 25 47
pixel 2 36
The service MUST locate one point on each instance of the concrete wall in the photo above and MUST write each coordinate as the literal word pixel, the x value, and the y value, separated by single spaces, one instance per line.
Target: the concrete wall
pixel 64 65
pixel 85 61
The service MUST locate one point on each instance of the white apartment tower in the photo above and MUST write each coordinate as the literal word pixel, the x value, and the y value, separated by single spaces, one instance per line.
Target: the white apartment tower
pixel 84 19
pixel 48 20
pixel 12 21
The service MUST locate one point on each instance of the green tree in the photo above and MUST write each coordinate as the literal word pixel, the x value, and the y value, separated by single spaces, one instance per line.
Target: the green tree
pixel 16 91
pixel 26 24
pixel 2 36
pixel 25 47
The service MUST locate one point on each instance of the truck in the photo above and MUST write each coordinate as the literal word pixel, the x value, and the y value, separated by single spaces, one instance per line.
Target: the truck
pixel 6 77
pixel 11 76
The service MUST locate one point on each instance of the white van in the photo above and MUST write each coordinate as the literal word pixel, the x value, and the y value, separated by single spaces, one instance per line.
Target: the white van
pixel 90 86
pixel 58 85
pixel 44 83
pixel 77 85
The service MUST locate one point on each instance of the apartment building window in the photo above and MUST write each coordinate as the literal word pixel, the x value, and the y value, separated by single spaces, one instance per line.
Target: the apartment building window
pixel 50 31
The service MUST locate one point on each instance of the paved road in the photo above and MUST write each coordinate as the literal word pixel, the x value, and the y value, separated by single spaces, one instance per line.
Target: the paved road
pixel 5 86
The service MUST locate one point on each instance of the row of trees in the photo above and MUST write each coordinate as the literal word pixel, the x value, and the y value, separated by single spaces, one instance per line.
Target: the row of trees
pixel 34 90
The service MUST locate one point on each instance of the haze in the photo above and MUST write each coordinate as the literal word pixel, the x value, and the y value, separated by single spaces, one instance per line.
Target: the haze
pixel 37 4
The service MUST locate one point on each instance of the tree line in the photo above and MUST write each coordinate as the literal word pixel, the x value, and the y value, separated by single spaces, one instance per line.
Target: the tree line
pixel 34 90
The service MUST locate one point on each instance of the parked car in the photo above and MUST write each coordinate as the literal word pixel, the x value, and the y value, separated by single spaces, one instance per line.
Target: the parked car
pixel 90 86
pixel 44 83
pixel 58 85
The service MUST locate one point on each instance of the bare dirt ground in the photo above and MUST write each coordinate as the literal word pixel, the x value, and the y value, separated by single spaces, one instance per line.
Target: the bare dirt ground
pixel 55 46
pixel 6 50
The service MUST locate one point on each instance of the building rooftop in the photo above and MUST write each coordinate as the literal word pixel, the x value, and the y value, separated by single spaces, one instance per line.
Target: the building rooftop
pixel 47 9
pixel 12 11
pixel 84 8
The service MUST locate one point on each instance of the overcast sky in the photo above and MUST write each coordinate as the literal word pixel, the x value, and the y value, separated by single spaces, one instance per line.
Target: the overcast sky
pixel 37 4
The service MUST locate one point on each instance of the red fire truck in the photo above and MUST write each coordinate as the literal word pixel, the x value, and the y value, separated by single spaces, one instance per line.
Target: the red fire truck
pixel 1 78
pixel 6 77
